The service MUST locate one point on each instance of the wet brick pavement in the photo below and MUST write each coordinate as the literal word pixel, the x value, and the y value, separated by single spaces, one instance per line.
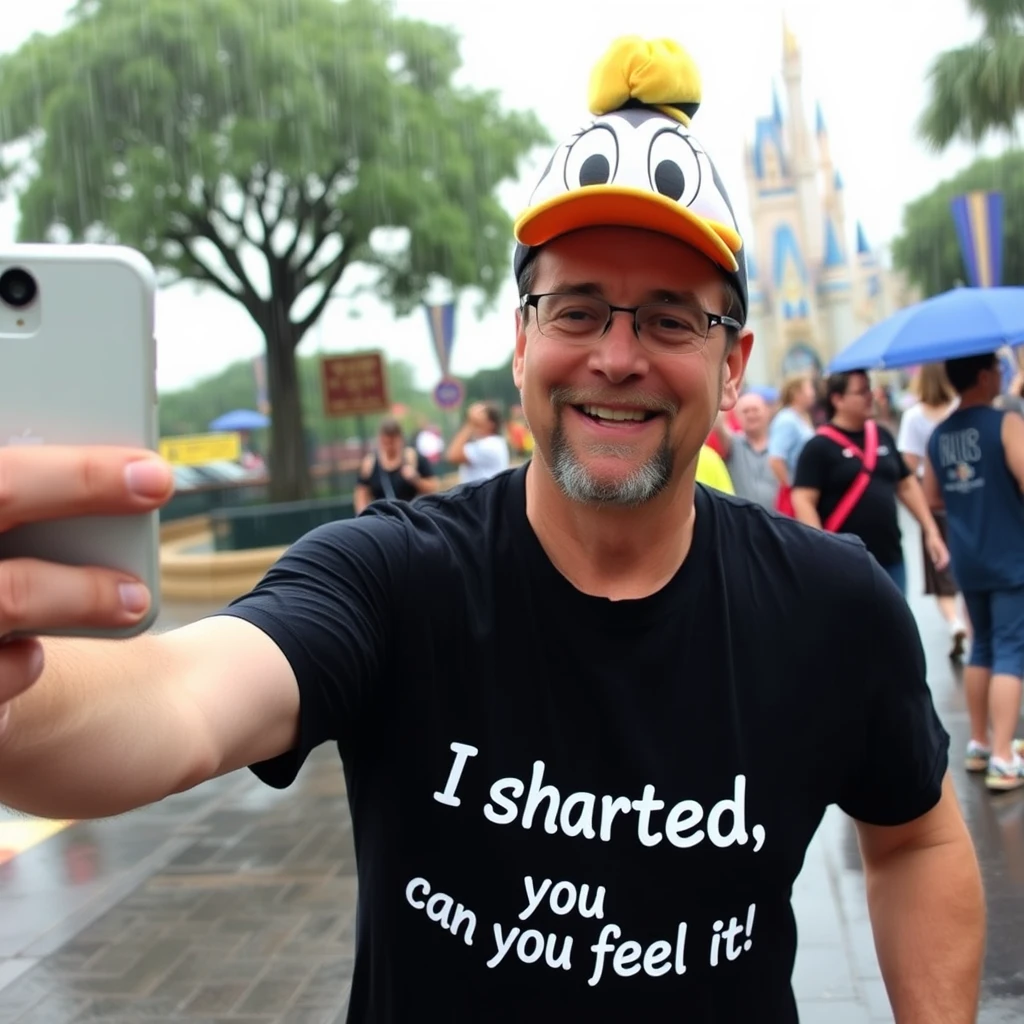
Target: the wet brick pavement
pixel 235 903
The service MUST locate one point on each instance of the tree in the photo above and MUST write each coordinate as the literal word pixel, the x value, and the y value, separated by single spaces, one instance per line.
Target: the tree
pixel 261 148
pixel 978 88
pixel 494 384
pixel 928 249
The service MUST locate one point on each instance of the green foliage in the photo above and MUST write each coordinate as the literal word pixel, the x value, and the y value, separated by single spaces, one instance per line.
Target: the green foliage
pixel 493 384
pixel 978 88
pixel 190 410
pixel 260 147
pixel 928 249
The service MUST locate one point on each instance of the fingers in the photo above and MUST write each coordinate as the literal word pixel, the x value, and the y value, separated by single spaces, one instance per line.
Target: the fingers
pixel 21 664
pixel 39 596
pixel 40 482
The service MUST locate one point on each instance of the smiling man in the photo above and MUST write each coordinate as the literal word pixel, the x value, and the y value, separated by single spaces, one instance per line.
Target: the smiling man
pixel 593 809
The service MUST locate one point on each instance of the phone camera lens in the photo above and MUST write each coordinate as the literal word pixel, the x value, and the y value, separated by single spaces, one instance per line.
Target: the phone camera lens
pixel 18 288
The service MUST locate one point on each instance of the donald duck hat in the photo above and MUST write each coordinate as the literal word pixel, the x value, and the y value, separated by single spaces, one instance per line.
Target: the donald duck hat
pixel 638 164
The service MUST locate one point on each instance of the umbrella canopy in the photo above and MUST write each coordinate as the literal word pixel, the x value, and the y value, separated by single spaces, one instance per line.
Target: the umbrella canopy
pixel 240 419
pixel 961 322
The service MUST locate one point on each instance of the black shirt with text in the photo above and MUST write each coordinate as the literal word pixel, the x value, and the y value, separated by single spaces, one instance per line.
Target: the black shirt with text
pixel 569 808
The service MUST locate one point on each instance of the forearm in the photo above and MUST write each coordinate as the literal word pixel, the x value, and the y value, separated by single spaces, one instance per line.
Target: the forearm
pixel 97 735
pixel 457 449
pixel 912 496
pixel 928 914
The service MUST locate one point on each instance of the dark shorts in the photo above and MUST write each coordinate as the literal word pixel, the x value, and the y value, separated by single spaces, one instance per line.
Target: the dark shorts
pixel 997 622
pixel 938 582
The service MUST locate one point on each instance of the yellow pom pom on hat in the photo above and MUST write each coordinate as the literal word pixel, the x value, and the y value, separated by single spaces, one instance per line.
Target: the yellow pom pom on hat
pixel 637 164
pixel 657 73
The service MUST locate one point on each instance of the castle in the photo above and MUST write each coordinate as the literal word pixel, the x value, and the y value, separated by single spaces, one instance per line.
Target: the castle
pixel 810 294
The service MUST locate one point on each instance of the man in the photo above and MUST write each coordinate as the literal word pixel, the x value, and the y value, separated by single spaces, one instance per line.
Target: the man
pixel 850 476
pixel 478 449
pixel 975 469
pixel 746 451
pixel 596 815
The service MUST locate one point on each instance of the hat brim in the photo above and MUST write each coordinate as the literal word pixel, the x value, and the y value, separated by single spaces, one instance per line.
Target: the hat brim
pixel 621 206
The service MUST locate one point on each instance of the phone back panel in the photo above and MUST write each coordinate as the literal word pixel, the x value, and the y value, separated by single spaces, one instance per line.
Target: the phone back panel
pixel 81 370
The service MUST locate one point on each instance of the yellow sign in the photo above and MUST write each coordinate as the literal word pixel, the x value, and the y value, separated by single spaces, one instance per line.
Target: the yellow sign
pixel 199 449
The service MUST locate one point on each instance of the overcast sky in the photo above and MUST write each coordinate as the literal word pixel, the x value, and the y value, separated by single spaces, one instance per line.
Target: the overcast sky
pixel 865 62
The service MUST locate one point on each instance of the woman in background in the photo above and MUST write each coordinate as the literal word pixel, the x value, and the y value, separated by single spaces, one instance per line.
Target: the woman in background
pixel 790 430
pixel 936 400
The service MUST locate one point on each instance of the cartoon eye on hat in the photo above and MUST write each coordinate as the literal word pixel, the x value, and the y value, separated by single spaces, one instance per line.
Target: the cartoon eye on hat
pixel 637 164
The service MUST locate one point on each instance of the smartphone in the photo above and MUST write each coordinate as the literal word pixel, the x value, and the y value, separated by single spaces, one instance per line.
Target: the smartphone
pixel 78 367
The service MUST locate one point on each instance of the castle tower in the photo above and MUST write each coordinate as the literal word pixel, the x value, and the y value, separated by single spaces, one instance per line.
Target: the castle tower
pixel 804 165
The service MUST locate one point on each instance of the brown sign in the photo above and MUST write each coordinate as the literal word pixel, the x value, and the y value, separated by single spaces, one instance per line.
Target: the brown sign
pixel 354 384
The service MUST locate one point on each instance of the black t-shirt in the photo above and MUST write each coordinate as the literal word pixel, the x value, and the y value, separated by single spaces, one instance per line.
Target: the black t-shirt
pixel 569 808
pixel 378 479
pixel 825 467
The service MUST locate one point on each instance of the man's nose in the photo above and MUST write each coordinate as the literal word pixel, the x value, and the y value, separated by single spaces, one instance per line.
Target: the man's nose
pixel 618 355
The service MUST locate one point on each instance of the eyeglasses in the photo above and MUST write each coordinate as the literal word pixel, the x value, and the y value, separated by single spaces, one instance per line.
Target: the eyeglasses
pixel 661 327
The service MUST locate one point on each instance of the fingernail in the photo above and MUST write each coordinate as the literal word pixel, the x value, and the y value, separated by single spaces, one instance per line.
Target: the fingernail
pixel 134 597
pixel 146 478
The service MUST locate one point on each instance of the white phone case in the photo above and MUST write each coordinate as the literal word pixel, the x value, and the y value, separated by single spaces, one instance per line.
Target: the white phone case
pixel 78 367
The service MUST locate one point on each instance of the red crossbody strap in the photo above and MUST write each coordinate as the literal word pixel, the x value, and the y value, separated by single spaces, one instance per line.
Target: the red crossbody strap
pixel 868 458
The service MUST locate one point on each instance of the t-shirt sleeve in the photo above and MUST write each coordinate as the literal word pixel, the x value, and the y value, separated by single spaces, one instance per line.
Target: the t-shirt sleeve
pixel 911 437
pixel 810 467
pixel 900 752
pixel 330 604
pixel 887 439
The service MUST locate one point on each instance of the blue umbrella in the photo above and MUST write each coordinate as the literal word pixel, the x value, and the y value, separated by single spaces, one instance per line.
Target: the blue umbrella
pixel 961 322
pixel 240 419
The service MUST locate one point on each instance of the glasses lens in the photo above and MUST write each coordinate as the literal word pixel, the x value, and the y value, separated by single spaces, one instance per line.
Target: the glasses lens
pixel 572 316
pixel 673 327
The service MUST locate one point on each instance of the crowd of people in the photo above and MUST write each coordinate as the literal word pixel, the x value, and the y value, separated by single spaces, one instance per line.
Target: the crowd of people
pixel 841 456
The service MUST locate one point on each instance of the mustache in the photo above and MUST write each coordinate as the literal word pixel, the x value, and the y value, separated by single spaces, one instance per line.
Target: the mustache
pixel 562 396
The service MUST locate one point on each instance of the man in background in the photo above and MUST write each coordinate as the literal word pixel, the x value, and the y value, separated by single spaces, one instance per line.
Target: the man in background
pixel 746 451
pixel 976 469
pixel 479 449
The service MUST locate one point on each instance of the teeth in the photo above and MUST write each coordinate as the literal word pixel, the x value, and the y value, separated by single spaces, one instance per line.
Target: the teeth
pixel 600 412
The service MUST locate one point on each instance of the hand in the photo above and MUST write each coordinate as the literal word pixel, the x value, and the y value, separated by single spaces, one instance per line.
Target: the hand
pixel 936 548
pixel 409 473
pixel 45 483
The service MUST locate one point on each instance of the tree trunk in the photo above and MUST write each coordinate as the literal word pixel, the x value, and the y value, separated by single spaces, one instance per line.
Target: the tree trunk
pixel 289 468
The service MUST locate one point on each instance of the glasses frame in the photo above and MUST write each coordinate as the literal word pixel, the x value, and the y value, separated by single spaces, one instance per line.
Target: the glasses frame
pixel 714 319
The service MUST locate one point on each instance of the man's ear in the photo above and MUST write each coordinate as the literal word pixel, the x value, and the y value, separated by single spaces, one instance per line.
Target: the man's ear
pixel 737 355
pixel 519 355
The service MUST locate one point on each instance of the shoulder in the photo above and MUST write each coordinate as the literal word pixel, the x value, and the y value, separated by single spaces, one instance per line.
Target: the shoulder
pixel 789 550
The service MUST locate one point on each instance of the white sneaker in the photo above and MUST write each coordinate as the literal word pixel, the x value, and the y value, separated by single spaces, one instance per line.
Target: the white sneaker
pixel 957 640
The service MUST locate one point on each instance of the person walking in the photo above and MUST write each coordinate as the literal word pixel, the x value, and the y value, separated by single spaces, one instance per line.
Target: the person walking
pixel 976 470
pixel 850 476
pixel 791 428
pixel 936 399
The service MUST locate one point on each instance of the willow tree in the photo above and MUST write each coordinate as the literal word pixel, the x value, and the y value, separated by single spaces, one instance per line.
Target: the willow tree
pixel 260 148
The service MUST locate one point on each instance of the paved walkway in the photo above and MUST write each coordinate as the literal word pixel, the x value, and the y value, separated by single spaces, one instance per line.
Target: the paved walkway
pixel 235 903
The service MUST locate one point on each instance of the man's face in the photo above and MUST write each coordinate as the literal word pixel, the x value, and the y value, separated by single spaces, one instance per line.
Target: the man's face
pixel 478 420
pixel 856 402
pixel 390 445
pixel 615 421
pixel 752 412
